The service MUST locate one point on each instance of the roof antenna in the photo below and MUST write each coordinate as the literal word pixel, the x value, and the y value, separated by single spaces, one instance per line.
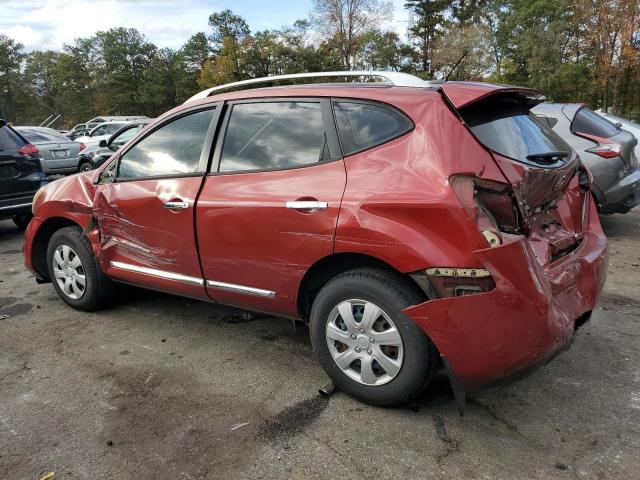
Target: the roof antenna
pixel 456 65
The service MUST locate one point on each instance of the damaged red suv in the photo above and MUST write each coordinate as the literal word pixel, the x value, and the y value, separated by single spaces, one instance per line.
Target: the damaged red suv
pixel 412 224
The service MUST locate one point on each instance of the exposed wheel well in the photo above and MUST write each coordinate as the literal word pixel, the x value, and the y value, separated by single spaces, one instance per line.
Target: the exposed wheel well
pixel 328 267
pixel 41 240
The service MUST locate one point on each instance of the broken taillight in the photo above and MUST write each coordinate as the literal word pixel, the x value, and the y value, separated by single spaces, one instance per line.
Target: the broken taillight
pixel 489 204
pixel 457 282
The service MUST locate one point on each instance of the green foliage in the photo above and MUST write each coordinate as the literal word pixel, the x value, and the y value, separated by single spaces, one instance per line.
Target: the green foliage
pixel 571 50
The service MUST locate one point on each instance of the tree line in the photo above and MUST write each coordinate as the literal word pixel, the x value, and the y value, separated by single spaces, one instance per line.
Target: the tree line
pixel 571 50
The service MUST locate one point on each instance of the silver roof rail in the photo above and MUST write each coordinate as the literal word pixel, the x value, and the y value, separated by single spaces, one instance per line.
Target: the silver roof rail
pixel 398 79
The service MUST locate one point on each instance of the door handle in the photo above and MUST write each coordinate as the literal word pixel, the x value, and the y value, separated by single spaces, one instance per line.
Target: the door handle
pixel 307 205
pixel 176 205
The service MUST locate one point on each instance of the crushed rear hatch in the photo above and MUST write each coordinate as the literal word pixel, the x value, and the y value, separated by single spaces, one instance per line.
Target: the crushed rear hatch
pixel 548 183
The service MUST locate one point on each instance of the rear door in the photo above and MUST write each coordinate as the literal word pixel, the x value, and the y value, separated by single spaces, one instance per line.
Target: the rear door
pixel 269 207
pixel 20 175
pixel 145 214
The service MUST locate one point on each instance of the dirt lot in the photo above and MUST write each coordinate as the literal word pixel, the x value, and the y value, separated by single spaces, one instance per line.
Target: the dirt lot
pixel 153 387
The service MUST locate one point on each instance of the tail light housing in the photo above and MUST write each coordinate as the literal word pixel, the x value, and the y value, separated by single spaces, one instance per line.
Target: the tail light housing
pixel 457 282
pixel 605 148
pixel 490 205
pixel 29 150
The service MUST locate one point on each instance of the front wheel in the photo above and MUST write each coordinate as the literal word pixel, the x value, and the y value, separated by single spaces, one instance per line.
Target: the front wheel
pixel 74 271
pixel 85 167
pixel 364 342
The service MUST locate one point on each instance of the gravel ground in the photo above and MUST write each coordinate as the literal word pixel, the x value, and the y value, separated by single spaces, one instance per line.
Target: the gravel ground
pixel 166 387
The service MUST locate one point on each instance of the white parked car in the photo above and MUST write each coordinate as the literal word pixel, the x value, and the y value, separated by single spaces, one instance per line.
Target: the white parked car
pixel 101 132
pixel 628 125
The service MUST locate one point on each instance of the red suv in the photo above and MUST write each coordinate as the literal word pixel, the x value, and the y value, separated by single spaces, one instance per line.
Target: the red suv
pixel 412 224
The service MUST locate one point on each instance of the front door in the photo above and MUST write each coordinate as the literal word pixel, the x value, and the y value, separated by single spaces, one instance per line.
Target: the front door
pixel 145 214
pixel 268 211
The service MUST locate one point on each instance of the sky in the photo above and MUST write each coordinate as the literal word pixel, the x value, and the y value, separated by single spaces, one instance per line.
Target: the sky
pixel 49 24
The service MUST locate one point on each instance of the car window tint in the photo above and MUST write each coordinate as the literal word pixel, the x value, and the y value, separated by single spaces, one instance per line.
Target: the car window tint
pixel 268 135
pixel 125 136
pixel 591 123
pixel 9 140
pixel 172 149
pixel 99 131
pixel 34 136
pixel 362 125
pixel 508 128
pixel 114 127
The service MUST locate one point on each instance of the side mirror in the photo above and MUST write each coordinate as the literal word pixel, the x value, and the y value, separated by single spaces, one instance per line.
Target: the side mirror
pixel 618 125
pixel 102 144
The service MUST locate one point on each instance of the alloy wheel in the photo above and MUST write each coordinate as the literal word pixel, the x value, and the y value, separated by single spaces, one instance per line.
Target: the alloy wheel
pixel 69 272
pixel 364 342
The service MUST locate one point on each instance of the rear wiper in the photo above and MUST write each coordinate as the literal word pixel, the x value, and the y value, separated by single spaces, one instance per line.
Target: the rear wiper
pixel 547 155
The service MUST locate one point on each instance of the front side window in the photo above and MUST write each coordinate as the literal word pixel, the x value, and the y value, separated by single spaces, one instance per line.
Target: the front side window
pixel 172 149
pixel 99 131
pixel 273 135
pixel 125 136
pixel 364 125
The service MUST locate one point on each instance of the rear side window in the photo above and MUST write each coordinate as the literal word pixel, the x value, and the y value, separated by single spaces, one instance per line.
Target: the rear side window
pixel 507 127
pixel 364 125
pixel 273 135
pixel 9 140
pixel 591 123
pixel 172 149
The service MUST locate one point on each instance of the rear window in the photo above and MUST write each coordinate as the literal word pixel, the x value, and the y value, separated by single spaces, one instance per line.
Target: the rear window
pixel 591 123
pixel 364 125
pixel 38 136
pixel 9 140
pixel 507 127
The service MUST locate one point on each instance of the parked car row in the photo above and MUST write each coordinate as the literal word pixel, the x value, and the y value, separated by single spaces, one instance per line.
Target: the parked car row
pixel 84 129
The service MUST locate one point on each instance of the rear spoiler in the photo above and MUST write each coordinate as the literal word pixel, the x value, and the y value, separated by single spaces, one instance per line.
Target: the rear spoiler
pixel 462 94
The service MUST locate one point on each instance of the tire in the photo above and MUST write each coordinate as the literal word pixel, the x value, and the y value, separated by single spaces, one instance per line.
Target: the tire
pixel 357 291
pixel 71 242
pixel 85 167
pixel 22 220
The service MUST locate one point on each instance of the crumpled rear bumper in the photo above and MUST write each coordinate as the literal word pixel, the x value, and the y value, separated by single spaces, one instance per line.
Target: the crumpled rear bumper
pixel 529 316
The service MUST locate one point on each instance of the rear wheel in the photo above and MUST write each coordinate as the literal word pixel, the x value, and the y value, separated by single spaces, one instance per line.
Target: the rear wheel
pixel 364 342
pixel 74 270
pixel 22 220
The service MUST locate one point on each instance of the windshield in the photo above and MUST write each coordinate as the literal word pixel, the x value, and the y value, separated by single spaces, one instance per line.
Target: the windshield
pixel 506 127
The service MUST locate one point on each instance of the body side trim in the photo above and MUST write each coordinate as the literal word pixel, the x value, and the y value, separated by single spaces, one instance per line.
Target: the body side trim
pixel 157 273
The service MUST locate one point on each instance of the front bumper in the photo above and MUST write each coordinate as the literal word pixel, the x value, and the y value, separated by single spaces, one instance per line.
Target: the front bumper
pixel 622 196
pixel 526 319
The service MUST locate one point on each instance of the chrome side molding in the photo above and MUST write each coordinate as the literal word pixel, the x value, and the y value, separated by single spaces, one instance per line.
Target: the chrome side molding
pixel 158 273
pixel 232 287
